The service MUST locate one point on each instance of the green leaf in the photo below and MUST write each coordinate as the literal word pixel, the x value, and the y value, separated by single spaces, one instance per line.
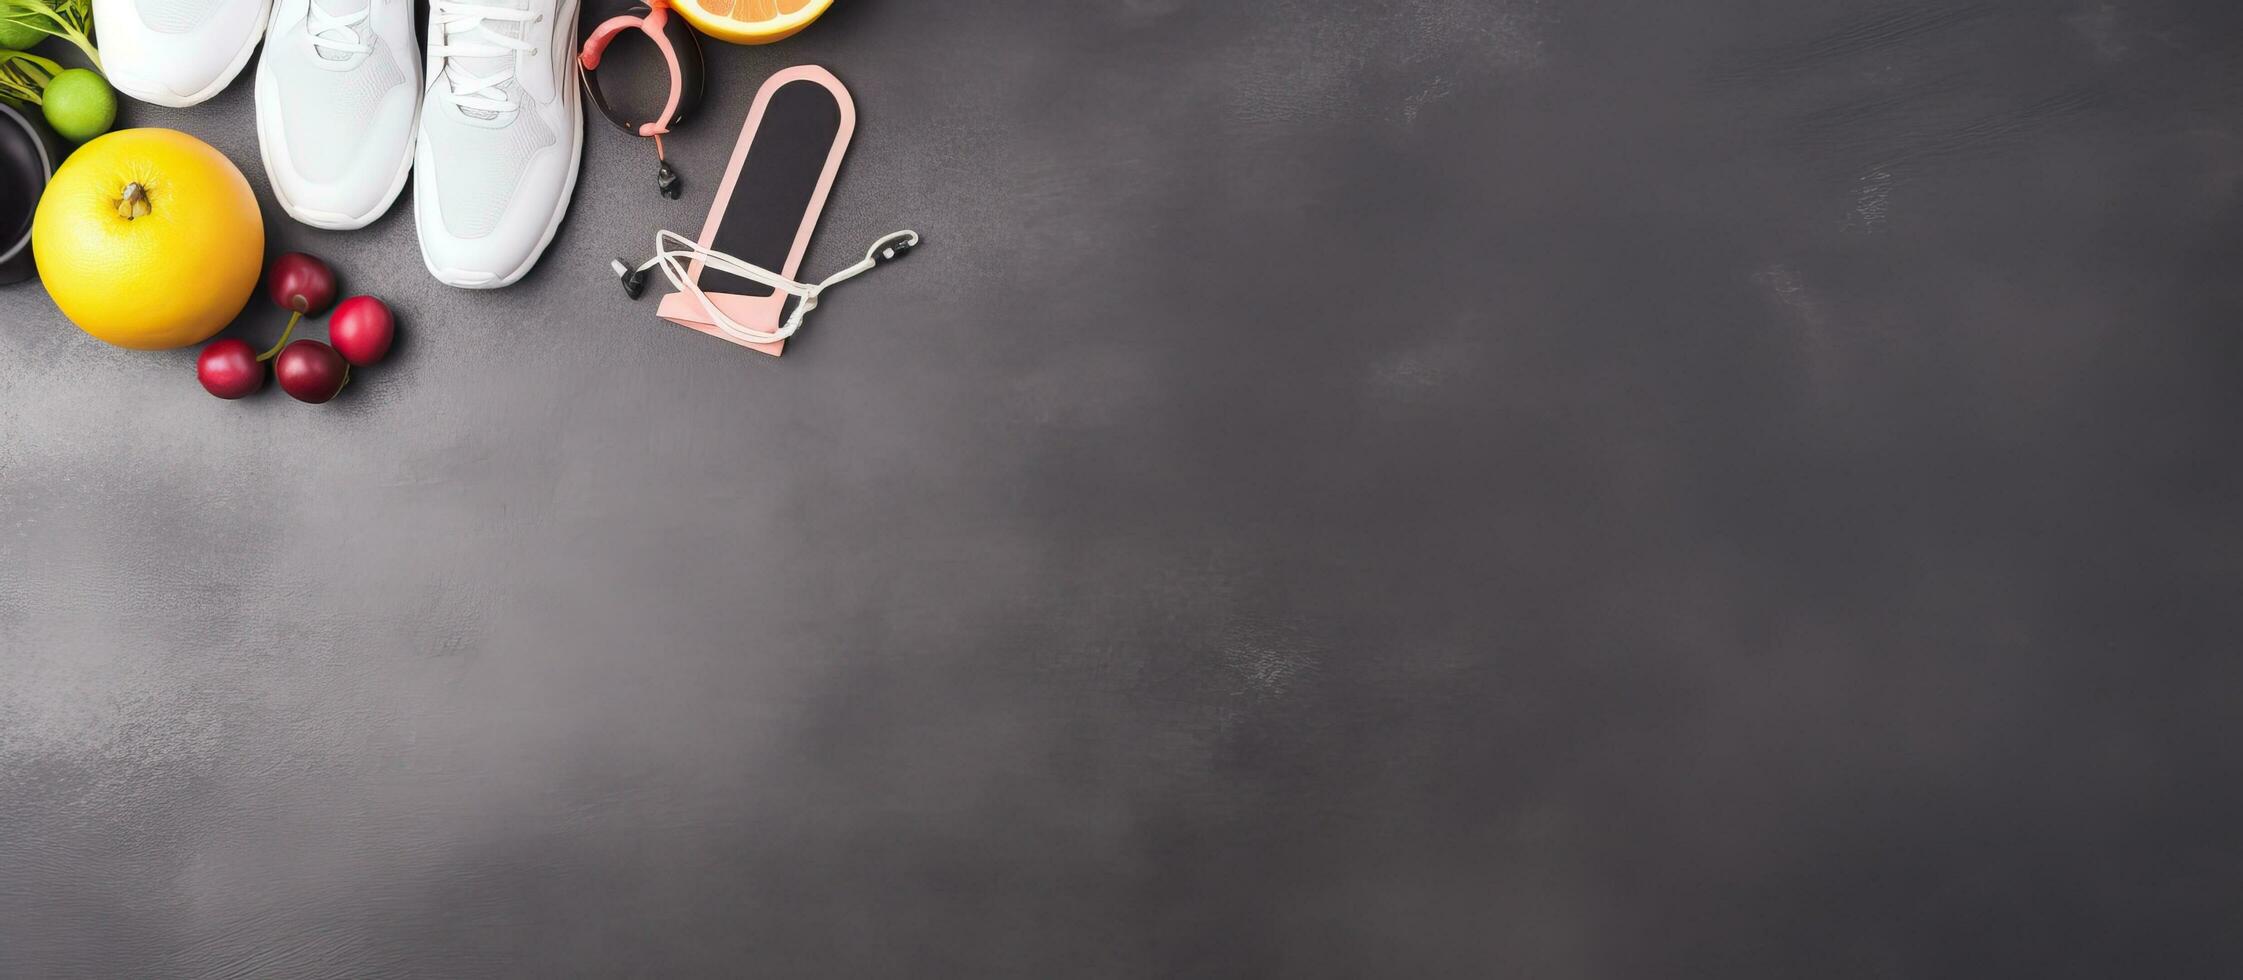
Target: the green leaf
pixel 24 76
pixel 70 20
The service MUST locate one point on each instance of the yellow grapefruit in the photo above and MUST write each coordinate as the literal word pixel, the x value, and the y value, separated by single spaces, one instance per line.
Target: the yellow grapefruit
pixel 148 238
pixel 750 21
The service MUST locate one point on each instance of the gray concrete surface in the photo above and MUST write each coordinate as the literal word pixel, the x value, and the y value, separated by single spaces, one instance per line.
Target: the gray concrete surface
pixel 1464 488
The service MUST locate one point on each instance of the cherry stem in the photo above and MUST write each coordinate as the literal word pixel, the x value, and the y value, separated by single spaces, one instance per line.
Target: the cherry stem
pixel 293 318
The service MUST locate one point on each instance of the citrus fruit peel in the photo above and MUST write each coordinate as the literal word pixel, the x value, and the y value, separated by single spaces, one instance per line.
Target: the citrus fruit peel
pixel 751 21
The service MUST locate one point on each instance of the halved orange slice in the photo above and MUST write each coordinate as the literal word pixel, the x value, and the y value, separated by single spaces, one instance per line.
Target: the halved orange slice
pixel 750 21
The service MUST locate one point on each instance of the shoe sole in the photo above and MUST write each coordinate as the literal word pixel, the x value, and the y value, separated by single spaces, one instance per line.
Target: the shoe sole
pixel 574 98
pixel 164 97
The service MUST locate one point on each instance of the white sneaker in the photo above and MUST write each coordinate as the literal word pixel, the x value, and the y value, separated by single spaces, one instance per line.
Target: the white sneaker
pixel 338 90
pixel 176 52
pixel 501 132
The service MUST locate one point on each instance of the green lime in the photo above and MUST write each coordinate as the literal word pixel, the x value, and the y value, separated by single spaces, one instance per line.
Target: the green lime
pixel 79 105
pixel 18 36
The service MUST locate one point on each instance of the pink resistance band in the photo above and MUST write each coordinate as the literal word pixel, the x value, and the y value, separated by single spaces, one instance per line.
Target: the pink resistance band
pixel 736 280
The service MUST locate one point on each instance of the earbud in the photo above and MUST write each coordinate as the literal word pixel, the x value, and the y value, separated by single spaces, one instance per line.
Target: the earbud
pixel 634 280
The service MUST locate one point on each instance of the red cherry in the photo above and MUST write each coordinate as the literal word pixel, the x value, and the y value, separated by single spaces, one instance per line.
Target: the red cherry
pixel 229 368
pixel 298 282
pixel 361 330
pixel 310 371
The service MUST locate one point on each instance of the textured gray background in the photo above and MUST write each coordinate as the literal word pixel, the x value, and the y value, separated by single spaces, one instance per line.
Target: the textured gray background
pixel 1524 488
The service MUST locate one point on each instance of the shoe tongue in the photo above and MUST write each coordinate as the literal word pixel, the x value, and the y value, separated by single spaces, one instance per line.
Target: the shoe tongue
pixel 494 64
pixel 338 8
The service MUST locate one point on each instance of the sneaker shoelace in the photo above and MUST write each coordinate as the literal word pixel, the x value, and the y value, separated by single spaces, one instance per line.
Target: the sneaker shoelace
pixel 674 253
pixel 468 31
pixel 335 39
